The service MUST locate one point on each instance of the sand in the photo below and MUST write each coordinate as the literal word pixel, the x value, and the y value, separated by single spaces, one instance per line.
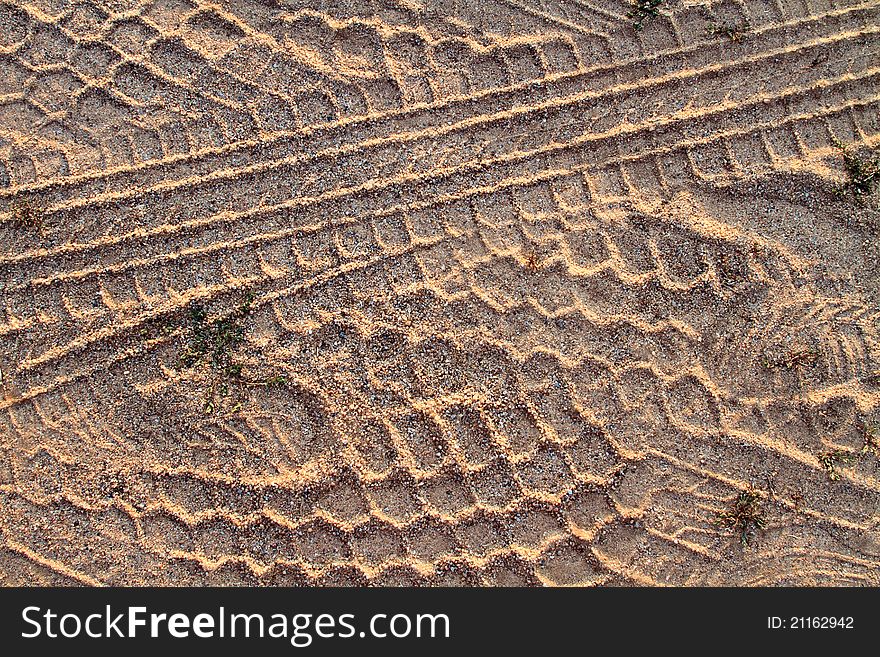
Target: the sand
pixel 389 292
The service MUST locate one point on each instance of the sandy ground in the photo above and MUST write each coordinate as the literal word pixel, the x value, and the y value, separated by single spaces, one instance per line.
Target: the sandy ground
pixel 473 292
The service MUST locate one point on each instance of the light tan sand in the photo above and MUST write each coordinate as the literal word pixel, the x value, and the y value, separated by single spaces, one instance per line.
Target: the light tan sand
pixel 536 295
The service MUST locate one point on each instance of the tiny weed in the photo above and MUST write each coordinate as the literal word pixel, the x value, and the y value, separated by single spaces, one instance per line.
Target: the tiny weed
pixel 733 31
pixel 863 173
pixel 790 359
pixel 643 11
pixel 831 459
pixel 277 380
pixel 216 342
pixel 745 515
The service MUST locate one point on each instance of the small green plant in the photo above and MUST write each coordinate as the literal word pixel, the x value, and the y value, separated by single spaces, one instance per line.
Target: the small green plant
pixel 733 31
pixel 863 173
pixel 745 515
pixel 790 359
pixel 277 380
pixel 643 11
pixel 831 459
pixel 216 342
pixel 215 339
